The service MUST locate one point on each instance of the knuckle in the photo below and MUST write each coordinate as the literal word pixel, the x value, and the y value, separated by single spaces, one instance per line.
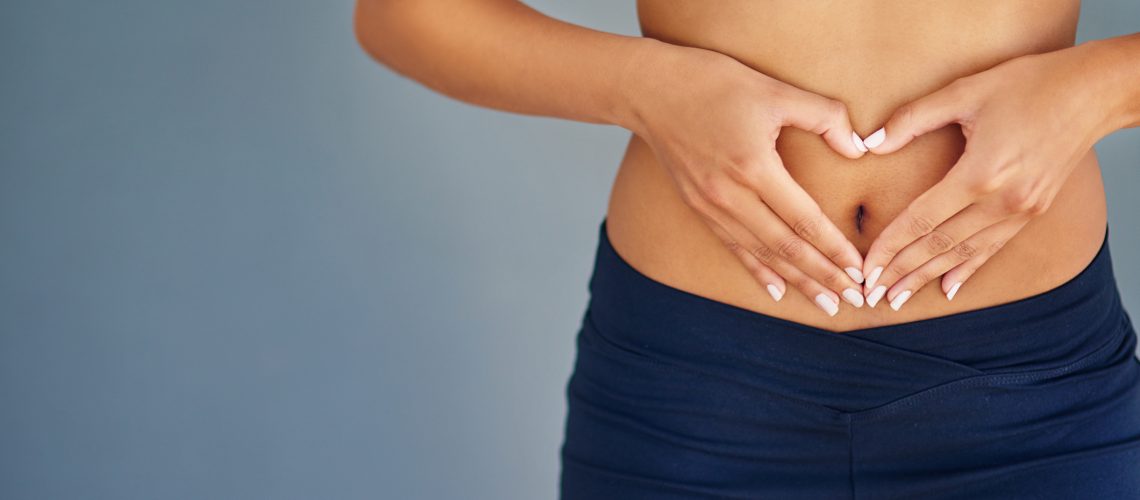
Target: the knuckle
pixel 835 280
pixel 889 248
pixel 694 200
pixel 1018 200
pixel 960 91
pixel 921 276
pixel 759 171
pixel 996 245
pixel 764 253
pixel 938 241
pixel 791 247
pixel 776 93
pixel 834 254
pixel 1039 206
pixel 747 170
pixel 965 250
pixel 918 226
pixel 805 284
pixel 906 113
pixel 897 270
pixel 714 193
pixel 742 165
pixel 985 184
pixel 733 245
pixel 808 227
pixel 738 161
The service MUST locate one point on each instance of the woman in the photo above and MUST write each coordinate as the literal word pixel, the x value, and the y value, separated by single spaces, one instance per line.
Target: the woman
pixel 791 165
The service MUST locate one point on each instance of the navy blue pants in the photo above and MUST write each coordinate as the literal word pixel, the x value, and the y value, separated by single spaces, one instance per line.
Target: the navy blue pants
pixel 675 395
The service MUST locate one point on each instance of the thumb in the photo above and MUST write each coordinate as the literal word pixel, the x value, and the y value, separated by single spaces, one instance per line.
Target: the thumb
pixel 826 117
pixel 928 113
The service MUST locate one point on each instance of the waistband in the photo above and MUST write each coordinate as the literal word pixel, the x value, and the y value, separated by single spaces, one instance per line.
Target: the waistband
pixel 858 368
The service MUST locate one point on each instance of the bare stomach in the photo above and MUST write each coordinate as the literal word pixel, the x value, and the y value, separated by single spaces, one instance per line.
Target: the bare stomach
pixel 652 229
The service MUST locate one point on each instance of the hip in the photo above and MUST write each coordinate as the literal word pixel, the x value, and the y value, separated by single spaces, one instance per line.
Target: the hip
pixel 675 395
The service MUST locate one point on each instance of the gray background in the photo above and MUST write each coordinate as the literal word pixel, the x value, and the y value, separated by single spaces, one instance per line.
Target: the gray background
pixel 239 259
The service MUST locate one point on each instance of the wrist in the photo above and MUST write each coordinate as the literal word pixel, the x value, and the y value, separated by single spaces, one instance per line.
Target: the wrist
pixel 1111 76
pixel 636 75
pixel 652 69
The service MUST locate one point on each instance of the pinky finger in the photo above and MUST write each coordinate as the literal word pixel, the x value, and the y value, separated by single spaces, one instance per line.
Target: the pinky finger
pixel 954 278
pixel 773 283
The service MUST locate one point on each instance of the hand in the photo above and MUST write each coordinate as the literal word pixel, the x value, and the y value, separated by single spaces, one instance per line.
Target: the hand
pixel 713 122
pixel 1027 123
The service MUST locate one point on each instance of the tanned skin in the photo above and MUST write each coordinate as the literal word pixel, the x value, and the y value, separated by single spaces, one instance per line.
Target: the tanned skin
pixel 754 171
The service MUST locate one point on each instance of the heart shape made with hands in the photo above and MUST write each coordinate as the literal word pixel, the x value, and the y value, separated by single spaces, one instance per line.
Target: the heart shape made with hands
pixel 720 152
pixel 914 248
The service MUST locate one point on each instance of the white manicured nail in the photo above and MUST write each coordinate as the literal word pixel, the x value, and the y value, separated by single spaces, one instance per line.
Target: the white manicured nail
pixel 853 296
pixel 953 290
pixel 875 139
pixel 874 276
pixel 876 294
pixel 858 142
pixel 775 292
pixel 899 299
pixel 855 274
pixel 824 302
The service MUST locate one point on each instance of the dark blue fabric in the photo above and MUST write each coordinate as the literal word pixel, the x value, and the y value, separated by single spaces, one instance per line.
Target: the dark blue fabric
pixel 675 395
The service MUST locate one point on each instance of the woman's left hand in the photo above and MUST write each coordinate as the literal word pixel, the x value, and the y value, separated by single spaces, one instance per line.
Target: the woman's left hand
pixel 1027 123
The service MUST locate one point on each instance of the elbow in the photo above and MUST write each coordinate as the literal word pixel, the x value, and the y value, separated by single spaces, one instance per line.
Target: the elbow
pixel 364 27
pixel 398 35
pixel 374 26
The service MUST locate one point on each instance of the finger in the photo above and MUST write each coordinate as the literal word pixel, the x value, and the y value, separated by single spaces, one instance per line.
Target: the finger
pixel 928 113
pixel 823 298
pixel 773 283
pixel 826 117
pixel 744 205
pixel 781 194
pixel 926 212
pixel 949 237
pixel 954 278
pixel 974 249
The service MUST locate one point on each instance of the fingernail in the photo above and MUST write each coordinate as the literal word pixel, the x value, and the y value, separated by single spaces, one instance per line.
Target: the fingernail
pixel 855 274
pixel 775 292
pixel 874 276
pixel 899 299
pixel 858 142
pixel 876 294
pixel 853 296
pixel 875 139
pixel 824 302
pixel 953 290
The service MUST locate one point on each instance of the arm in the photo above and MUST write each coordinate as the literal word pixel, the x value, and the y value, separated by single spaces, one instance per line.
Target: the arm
pixel 1027 122
pixel 1115 64
pixel 711 121
pixel 504 55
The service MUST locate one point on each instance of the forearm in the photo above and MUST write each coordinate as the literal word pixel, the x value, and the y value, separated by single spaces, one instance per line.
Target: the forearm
pixel 504 55
pixel 1113 68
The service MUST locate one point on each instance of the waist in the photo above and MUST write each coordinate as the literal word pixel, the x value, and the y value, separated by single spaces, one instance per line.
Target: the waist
pixel 662 237
pixel 1079 322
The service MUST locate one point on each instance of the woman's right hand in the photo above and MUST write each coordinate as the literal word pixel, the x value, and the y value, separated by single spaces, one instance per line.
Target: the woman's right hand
pixel 712 122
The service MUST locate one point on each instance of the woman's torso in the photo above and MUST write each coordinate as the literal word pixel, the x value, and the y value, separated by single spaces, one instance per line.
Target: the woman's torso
pixel 874 56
